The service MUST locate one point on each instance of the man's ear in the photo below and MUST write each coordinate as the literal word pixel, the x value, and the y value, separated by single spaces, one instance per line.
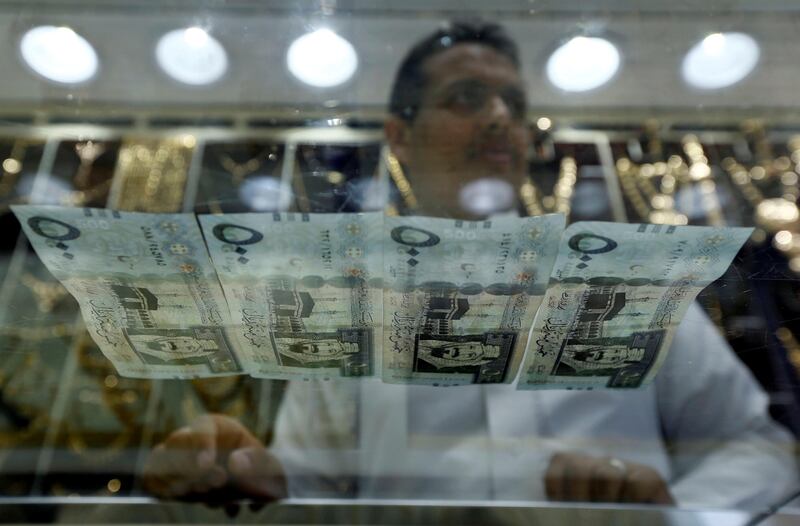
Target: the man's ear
pixel 398 135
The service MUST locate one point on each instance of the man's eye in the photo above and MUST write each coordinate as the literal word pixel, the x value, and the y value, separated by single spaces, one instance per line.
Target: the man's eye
pixel 467 98
pixel 516 103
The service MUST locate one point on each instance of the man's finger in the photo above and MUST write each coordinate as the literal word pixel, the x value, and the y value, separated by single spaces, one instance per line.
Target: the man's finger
pixel 577 482
pixel 645 486
pixel 257 473
pixel 608 479
pixel 166 470
pixel 204 438
pixel 554 477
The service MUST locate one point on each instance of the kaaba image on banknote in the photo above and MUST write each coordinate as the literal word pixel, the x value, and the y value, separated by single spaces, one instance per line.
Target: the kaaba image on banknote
pixel 438 349
pixel 625 359
pixel 181 347
pixel 348 349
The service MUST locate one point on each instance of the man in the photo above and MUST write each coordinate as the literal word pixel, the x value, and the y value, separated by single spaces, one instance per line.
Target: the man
pixel 700 435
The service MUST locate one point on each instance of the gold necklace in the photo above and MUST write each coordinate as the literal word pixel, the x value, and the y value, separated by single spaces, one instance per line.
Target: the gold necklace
pixel 400 180
pixel 529 194
pixel 88 152
pixel 223 395
pixel 779 216
pixel 702 177
pixel 560 201
pixel 239 171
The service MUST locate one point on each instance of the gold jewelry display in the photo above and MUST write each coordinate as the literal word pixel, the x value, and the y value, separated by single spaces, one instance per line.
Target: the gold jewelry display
pixel 536 203
pixel 84 193
pixel 47 293
pixel 779 216
pixel 653 202
pixel 28 382
pixel 651 188
pixel 239 171
pixel 88 152
pixel 124 398
pixel 151 174
pixel 407 196
pixel 701 177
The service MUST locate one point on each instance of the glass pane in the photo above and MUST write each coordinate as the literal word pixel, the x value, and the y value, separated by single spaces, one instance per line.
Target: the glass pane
pixel 429 262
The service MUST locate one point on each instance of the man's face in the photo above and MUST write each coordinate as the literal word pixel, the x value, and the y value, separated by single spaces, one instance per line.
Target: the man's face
pixel 470 126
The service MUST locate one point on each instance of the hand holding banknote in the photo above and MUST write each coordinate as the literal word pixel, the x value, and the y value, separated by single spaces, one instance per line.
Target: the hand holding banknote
pixel 215 460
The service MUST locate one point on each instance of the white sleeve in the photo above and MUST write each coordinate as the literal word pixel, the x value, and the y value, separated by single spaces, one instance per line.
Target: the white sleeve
pixel 316 438
pixel 726 451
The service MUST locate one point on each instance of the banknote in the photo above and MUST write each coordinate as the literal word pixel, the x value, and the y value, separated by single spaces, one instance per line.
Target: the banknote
pixel 305 289
pixel 460 296
pixel 147 290
pixel 617 295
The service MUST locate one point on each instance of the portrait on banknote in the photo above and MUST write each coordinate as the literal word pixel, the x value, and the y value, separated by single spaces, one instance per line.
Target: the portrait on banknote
pixel 206 346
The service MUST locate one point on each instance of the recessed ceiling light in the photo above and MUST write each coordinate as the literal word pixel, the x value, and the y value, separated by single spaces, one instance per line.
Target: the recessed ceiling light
pixel 191 56
pixel 720 60
pixel 322 59
pixel 583 63
pixel 59 54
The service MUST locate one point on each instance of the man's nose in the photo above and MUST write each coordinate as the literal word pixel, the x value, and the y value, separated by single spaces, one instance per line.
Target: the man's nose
pixel 499 114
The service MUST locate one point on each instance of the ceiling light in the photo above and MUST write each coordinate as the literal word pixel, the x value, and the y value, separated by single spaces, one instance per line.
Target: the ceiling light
pixel 191 56
pixel 583 63
pixel 262 193
pixel 59 54
pixel 322 59
pixel 720 60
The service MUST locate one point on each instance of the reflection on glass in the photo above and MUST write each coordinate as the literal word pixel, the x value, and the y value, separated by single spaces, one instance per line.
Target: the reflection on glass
pixel 192 56
pixel 583 64
pixel 322 59
pixel 720 60
pixel 59 54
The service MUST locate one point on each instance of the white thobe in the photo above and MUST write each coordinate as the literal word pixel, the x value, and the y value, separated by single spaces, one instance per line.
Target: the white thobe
pixel 702 424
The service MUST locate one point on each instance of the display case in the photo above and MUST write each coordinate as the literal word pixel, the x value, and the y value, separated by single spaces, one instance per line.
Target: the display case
pixel 660 388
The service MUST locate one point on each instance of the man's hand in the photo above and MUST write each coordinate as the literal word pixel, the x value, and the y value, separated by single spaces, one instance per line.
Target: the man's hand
pixel 578 477
pixel 215 460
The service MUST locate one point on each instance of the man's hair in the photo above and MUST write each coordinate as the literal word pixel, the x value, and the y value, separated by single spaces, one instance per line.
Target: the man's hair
pixel 409 83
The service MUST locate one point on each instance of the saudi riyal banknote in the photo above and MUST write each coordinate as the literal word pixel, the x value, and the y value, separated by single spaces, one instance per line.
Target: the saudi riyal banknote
pixel 305 289
pixel 147 290
pixel 617 295
pixel 460 296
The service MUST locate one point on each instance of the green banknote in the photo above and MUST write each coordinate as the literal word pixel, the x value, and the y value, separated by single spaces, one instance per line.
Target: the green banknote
pixel 460 296
pixel 147 290
pixel 617 295
pixel 305 290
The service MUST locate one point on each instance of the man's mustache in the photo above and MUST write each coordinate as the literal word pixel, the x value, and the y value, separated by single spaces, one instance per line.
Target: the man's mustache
pixel 492 141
